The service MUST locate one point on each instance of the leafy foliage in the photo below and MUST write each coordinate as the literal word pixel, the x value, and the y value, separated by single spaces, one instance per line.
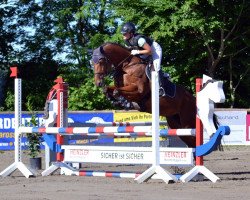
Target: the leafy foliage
pixel 51 38
pixel 88 97
pixel 198 37
pixel 34 139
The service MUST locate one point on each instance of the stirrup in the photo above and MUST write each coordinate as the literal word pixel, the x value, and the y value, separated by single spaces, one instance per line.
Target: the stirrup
pixel 162 92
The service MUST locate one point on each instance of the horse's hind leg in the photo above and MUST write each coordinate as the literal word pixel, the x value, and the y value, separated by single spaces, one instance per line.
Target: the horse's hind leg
pixel 188 120
pixel 116 100
pixel 174 121
pixel 126 89
pixel 188 116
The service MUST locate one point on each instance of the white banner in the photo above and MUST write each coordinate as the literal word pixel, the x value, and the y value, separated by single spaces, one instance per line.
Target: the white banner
pixel 126 155
pixel 236 120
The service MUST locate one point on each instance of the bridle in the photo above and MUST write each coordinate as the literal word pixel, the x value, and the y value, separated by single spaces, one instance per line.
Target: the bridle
pixel 102 74
pixel 107 61
pixel 100 55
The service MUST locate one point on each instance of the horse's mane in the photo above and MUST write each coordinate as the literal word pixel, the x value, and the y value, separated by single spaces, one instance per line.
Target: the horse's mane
pixel 117 44
pixel 99 53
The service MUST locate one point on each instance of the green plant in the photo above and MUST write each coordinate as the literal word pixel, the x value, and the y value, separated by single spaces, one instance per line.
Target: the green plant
pixel 34 139
pixel 9 101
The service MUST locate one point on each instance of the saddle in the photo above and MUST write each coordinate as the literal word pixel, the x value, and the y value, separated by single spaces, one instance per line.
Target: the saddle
pixel 168 86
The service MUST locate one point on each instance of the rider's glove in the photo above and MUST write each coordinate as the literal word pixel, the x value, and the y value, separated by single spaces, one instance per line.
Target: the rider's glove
pixel 135 52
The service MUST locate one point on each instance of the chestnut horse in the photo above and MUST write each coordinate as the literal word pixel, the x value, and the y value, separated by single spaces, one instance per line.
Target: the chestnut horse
pixel 131 84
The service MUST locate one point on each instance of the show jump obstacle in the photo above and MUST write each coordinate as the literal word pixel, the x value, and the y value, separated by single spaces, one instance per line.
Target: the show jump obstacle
pixel 154 155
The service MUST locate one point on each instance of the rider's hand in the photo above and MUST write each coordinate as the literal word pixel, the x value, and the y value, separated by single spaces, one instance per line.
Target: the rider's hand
pixel 135 52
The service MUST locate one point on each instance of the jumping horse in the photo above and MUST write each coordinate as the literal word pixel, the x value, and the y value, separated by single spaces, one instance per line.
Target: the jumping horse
pixel 131 84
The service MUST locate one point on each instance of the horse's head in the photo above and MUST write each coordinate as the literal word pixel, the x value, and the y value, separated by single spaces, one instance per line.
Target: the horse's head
pixel 108 57
pixel 102 66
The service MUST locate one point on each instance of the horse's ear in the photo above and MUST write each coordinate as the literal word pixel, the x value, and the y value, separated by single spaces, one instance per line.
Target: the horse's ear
pixel 102 50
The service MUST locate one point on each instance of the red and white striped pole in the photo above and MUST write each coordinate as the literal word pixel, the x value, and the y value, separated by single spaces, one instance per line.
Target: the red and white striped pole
pixel 62 106
pixel 199 126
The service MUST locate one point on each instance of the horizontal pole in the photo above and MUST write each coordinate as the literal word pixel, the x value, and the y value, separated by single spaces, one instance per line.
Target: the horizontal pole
pixel 135 131
pixel 129 123
pixel 114 174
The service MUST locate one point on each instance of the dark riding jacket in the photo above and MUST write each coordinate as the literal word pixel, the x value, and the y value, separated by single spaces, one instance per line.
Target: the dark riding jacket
pixel 133 41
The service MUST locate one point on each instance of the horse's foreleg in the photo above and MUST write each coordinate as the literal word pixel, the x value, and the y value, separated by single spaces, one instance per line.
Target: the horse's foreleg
pixel 108 91
pixel 126 90
pixel 130 93
pixel 116 100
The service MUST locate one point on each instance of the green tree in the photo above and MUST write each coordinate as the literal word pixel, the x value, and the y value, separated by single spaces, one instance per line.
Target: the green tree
pixel 28 50
pixel 197 37
pixel 55 33
pixel 7 36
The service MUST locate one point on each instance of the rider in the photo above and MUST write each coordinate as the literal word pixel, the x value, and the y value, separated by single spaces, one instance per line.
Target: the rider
pixel 144 47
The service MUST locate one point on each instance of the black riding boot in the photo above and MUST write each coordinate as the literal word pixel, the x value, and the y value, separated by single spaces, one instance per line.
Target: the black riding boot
pixel 161 84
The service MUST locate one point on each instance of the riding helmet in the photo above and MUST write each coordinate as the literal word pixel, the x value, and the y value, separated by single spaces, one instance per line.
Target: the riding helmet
pixel 128 27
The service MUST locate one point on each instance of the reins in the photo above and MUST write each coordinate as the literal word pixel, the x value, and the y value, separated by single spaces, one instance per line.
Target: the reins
pixel 123 61
pixel 115 69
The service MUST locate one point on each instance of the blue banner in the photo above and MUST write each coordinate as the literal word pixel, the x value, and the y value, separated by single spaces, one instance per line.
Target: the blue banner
pixel 90 117
pixel 7 129
pixel 7 126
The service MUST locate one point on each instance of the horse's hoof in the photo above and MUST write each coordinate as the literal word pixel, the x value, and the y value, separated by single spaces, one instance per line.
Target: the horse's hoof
pixel 135 106
pixel 127 105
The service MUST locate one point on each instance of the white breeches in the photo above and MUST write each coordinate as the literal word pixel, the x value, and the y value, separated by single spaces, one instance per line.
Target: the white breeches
pixel 156 55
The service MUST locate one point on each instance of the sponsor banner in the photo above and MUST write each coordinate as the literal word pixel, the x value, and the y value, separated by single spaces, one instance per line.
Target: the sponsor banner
pixel 7 127
pixel 92 141
pixel 125 155
pixel 128 116
pixel 7 142
pixel 236 120
pixel 80 118
pixel 7 121
pixel 232 117
pixel 135 139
